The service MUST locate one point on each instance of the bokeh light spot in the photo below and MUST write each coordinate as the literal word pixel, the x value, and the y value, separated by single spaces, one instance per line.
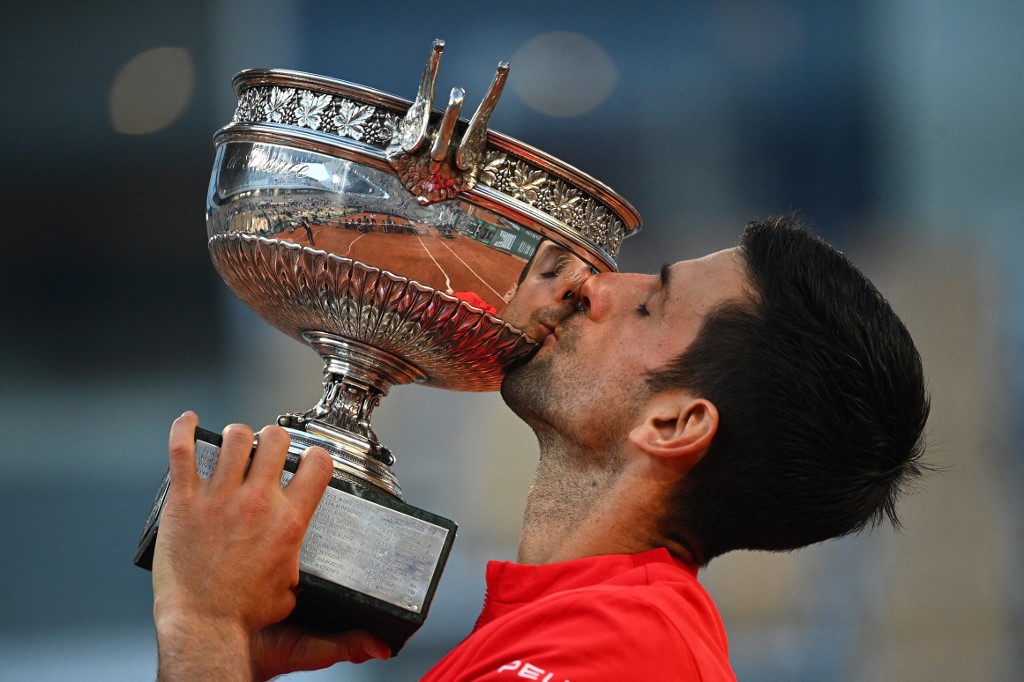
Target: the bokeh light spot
pixel 151 91
pixel 563 74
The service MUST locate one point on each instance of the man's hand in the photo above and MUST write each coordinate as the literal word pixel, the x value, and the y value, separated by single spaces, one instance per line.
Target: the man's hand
pixel 226 562
pixel 283 648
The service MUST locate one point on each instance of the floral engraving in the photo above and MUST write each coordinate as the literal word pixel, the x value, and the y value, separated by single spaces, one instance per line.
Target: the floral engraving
pixel 274 108
pixel 380 129
pixel 527 182
pixel 496 172
pixel 616 233
pixel 593 221
pixel 560 200
pixel 249 107
pixel 501 171
pixel 352 119
pixel 309 108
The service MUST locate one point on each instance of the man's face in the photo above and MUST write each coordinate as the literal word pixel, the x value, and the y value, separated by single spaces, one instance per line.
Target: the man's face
pixel 587 379
pixel 548 292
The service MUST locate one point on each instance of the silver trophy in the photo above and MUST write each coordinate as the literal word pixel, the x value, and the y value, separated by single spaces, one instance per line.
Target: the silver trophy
pixel 404 244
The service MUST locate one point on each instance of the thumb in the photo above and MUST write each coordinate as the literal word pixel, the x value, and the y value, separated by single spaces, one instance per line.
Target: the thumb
pixel 355 646
pixel 284 648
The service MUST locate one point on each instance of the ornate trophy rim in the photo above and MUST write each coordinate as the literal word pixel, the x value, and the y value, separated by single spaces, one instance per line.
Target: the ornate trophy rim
pixel 515 179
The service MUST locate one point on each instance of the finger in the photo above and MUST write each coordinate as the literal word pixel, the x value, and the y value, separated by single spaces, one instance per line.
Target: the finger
pixel 233 456
pixel 282 648
pixel 364 644
pixel 354 646
pixel 181 450
pixel 268 462
pixel 310 480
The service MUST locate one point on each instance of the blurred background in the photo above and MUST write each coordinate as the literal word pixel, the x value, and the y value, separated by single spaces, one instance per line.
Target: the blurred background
pixel 894 127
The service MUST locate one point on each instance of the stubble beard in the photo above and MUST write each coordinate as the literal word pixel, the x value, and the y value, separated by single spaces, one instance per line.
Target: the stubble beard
pixel 526 390
pixel 579 460
pixel 571 477
pixel 550 393
pixel 529 390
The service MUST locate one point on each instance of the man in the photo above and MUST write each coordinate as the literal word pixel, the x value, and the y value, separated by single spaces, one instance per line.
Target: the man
pixel 547 291
pixel 763 397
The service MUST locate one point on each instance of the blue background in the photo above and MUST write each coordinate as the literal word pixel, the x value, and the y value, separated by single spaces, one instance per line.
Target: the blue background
pixel 894 127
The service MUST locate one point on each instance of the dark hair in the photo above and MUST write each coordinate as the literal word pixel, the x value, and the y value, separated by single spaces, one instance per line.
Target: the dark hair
pixel 821 399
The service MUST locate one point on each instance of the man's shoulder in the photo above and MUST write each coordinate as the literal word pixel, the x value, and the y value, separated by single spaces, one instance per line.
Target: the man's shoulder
pixel 656 624
pixel 670 609
pixel 657 589
pixel 652 598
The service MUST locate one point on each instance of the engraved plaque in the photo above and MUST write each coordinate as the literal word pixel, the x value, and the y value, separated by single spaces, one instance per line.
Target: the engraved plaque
pixel 372 548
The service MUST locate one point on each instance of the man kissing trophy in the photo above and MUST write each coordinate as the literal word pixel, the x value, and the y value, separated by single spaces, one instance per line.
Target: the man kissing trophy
pixel 404 244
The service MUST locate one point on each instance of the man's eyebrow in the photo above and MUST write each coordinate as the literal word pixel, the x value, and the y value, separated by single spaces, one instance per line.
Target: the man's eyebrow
pixel 666 274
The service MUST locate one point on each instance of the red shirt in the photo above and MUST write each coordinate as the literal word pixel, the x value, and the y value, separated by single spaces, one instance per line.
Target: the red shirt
pixel 620 617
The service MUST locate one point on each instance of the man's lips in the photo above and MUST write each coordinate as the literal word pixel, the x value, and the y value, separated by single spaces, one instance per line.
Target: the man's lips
pixel 539 333
pixel 540 330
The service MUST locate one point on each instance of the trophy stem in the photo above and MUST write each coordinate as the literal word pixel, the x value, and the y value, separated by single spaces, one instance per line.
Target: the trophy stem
pixel 356 377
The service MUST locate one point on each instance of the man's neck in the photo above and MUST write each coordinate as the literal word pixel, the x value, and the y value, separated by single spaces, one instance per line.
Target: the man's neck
pixel 584 504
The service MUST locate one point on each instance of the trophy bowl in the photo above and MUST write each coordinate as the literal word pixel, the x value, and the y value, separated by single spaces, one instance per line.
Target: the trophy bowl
pixel 404 245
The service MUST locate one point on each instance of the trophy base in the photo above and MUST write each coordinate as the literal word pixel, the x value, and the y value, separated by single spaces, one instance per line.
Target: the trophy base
pixel 368 561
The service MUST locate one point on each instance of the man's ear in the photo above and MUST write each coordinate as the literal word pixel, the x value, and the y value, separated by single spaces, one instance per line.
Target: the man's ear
pixel 676 425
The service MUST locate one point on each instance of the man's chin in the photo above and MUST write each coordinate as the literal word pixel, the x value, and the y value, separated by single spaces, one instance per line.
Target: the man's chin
pixel 528 358
pixel 520 363
pixel 525 385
